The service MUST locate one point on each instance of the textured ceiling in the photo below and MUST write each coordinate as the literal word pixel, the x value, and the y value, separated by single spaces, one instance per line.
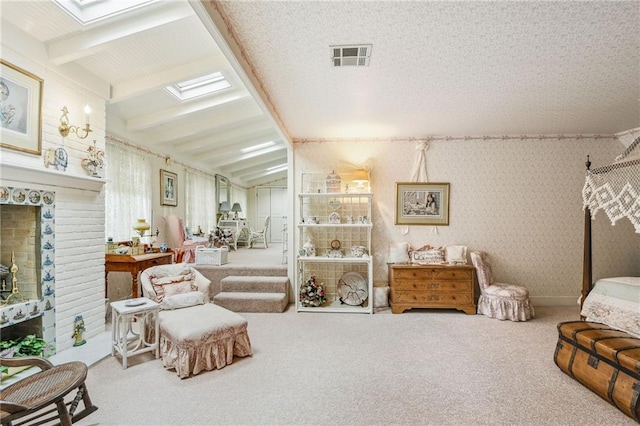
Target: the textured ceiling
pixel 437 69
pixel 446 68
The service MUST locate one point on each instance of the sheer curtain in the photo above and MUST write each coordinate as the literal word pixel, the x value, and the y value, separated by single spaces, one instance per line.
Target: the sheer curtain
pixel 200 204
pixel 127 191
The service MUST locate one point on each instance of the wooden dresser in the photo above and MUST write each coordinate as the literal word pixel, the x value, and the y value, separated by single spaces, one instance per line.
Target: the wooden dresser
pixel 432 286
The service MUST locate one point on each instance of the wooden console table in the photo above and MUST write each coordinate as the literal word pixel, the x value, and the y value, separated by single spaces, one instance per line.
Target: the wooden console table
pixel 432 286
pixel 133 265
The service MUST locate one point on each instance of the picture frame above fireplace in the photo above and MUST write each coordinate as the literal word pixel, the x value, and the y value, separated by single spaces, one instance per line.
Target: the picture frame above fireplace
pixel 21 105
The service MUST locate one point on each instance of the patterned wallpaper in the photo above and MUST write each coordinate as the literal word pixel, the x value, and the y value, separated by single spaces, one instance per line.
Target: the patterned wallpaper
pixel 519 199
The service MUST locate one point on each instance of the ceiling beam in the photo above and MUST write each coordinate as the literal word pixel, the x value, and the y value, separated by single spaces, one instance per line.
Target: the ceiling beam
pixel 94 40
pixel 233 147
pixel 256 162
pixel 227 161
pixel 148 83
pixel 176 113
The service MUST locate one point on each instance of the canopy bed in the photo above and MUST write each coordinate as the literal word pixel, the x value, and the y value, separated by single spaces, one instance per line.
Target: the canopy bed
pixel 602 352
pixel 614 189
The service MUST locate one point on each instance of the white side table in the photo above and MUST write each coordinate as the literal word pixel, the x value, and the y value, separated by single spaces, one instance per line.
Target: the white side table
pixel 124 340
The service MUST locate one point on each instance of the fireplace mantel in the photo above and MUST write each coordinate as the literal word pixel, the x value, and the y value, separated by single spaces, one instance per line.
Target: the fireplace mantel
pixel 22 173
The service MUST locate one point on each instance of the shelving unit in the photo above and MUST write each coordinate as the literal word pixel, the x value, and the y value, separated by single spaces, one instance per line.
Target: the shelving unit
pixel 351 227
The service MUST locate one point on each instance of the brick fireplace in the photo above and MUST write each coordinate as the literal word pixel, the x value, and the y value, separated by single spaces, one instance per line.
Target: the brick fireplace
pixel 27 243
pixel 53 222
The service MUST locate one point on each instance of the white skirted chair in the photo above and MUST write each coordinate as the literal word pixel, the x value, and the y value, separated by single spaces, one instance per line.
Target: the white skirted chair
pixel 195 335
pixel 499 300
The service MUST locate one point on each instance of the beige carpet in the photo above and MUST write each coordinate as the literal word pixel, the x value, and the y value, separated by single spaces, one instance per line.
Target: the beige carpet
pixel 421 367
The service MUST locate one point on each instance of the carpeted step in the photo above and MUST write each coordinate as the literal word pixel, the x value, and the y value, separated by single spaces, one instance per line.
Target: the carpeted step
pixel 247 301
pixel 257 284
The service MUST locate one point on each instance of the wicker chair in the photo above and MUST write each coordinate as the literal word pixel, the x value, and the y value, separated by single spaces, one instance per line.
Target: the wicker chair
pixel 256 236
pixel 33 394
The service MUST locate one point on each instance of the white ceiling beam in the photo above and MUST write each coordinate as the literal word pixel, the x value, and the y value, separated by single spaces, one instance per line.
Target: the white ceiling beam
pixel 256 162
pixel 226 162
pixel 92 41
pixel 254 172
pixel 186 130
pixel 224 132
pixel 267 178
pixel 148 83
pixel 233 147
pixel 176 113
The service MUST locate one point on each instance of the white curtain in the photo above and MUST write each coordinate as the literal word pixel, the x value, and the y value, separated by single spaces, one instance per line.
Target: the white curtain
pixel 200 202
pixel 127 191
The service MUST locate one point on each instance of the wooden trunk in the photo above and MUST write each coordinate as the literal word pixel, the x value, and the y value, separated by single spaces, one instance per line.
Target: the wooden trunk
pixel 604 360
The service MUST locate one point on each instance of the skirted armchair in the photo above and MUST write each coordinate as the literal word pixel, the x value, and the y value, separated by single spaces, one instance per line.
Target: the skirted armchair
pixel 184 249
pixel 195 335
pixel 499 300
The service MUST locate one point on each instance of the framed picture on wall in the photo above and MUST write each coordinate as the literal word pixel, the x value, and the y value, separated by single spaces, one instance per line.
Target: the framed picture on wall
pixel 21 109
pixel 168 188
pixel 422 203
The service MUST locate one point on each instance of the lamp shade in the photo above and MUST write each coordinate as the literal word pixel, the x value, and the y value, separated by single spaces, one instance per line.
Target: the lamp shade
pixel 360 176
pixel 225 207
pixel 140 226
pixel 236 208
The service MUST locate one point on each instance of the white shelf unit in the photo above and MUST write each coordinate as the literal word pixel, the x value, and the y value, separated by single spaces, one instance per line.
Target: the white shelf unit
pixel 354 229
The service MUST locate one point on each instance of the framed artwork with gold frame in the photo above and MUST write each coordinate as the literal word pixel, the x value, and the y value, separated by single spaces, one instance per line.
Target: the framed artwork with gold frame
pixel 168 188
pixel 422 203
pixel 21 109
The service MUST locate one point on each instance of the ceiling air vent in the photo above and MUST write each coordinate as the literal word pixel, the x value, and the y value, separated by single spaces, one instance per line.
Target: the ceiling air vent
pixel 351 55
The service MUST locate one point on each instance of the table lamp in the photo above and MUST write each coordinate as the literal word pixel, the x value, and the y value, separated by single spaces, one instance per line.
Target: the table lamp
pixel 236 209
pixel 225 208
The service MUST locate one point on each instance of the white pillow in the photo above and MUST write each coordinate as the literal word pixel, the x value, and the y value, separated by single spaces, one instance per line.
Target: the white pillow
pixel 456 254
pixel 381 297
pixel 431 256
pixel 183 300
pixel 398 253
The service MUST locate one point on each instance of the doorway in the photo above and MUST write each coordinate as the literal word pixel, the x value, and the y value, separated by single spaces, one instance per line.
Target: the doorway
pixel 272 201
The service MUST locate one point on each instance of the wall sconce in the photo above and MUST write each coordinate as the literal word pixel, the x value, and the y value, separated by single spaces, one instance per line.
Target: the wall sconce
pixel 360 178
pixel 64 128
pixel 236 209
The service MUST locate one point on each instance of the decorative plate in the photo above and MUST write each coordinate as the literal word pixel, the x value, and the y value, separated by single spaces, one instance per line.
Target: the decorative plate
pixel 135 302
pixel 352 289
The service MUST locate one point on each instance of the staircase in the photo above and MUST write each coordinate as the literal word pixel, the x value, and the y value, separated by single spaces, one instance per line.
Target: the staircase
pixel 253 293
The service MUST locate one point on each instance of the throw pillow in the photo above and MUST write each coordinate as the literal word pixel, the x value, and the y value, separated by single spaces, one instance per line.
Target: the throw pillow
pixel 456 254
pixel 433 255
pixel 398 253
pixel 381 297
pixel 183 300
pixel 168 286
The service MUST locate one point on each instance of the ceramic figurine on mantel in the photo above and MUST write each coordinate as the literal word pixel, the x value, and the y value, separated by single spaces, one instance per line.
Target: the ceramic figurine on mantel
pixel 78 331
pixel 57 158
pixel 94 163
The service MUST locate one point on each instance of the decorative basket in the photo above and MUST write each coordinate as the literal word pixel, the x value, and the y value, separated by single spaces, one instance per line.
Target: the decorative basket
pixel 212 256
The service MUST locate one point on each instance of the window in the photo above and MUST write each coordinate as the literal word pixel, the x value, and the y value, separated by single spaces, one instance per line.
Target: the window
pixel 127 191
pixel 200 204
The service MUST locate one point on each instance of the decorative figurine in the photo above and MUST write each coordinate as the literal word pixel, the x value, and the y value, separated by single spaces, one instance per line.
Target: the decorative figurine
pixel 78 331
pixel 94 163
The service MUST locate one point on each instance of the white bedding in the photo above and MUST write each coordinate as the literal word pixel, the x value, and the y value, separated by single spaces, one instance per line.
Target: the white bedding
pixel 615 302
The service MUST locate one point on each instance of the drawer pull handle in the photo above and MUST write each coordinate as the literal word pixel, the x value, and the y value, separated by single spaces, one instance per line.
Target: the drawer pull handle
pixel 433 297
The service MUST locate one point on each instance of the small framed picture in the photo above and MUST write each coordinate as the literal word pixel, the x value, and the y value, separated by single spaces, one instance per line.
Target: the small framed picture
pixel 168 188
pixel 21 104
pixel 422 203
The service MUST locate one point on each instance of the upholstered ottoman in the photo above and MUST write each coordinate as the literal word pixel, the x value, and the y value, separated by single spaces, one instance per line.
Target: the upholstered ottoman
pixel 208 338
pixel 195 335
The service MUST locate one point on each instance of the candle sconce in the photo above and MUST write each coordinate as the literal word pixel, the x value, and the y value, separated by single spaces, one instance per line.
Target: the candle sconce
pixel 65 128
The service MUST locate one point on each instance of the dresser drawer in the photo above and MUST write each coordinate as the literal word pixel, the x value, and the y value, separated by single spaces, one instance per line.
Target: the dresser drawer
pixel 427 299
pixel 153 262
pixel 452 274
pixel 432 273
pixel 434 286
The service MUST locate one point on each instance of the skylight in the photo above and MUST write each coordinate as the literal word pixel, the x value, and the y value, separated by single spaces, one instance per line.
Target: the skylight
pixel 200 86
pixel 89 11
pixel 257 147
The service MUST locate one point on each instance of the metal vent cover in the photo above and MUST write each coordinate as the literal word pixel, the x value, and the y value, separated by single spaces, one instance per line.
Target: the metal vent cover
pixel 354 55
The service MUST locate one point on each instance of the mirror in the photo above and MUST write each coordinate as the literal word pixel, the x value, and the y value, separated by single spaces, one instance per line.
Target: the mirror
pixel 223 191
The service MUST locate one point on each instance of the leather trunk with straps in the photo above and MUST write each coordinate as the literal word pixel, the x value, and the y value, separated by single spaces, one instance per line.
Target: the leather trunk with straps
pixel 605 360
